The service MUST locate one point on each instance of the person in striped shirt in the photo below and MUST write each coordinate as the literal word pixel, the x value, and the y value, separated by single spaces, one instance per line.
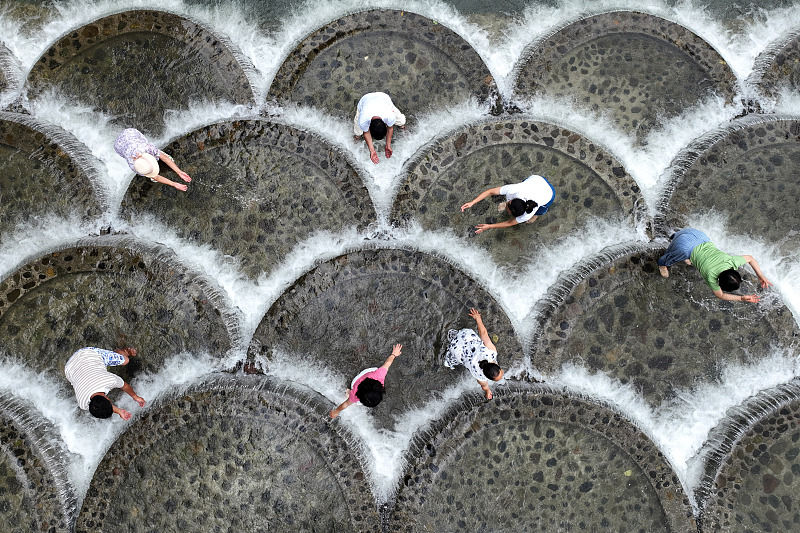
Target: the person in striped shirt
pixel 86 372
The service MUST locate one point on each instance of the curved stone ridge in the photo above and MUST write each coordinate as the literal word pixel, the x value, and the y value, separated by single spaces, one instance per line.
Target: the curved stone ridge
pixel 264 187
pixel 112 292
pixel 538 459
pixel 244 453
pixel 745 171
pixel 752 471
pixel 135 65
pixel 349 311
pixel 638 67
pixel 37 159
pixel 779 66
pixel 589 181
pixel 35 492
pixel 10 75
pixel 623 319
pixel 422 64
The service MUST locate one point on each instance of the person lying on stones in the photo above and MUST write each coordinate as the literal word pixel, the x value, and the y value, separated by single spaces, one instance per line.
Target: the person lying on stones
pixel 718 269
pixel 376 117
pixel 143 156
pixel 367 387
pixel 86 371
pixel 476 352
pixel 525 201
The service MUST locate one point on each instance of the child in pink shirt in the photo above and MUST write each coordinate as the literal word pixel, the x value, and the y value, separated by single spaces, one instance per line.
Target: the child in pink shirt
pixel 367 387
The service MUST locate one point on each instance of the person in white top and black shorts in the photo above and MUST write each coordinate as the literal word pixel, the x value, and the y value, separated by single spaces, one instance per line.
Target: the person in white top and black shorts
pixel 525 201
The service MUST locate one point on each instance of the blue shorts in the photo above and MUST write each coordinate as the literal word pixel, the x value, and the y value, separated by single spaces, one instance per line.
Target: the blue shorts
pixel 543 208
pixel 682 245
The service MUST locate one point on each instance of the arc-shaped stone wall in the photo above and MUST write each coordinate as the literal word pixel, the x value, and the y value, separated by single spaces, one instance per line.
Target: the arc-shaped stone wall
pixel 636 67
pixel 420 63
pixel 620 317
pixel 248 453
pixel 35 493
pixel 135 65
pixel 589 182
pixel 10 75
pixel 778 66
pixel 111 292
pixel 349 311
pixel 264 187
pixel 538 459
pixel 37 159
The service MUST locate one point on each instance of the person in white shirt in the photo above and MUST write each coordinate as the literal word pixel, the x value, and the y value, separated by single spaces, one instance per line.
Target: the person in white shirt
pixel 525 201
pixel 86 372
pixel 376 117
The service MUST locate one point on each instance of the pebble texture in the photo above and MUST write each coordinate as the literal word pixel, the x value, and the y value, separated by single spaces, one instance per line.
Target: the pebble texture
pixel 745 172
pixel 348 312
pixel 35 160
pixel 136 65
pixel 421 64
pixel 538 459
pixel 35 494
pixel 264 188
pixel 242 454
pixel 589 182
pixel 111 292
pixel 778 67
pixel 753 471
pixel 638 68
pixel 620 317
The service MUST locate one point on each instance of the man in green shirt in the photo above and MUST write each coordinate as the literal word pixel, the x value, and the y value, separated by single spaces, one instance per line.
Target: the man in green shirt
pixel 718 269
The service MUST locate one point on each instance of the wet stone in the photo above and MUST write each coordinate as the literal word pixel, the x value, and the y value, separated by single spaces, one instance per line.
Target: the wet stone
pixel 348 312
pixel 658 313
pixel 231 454
pixel 638 68
pixel 780 68
pixel 157 307
pixel 264 188
pixel 136 65
pixel 456 169
pixel 422 65
pixel 746 177
pixel 551 473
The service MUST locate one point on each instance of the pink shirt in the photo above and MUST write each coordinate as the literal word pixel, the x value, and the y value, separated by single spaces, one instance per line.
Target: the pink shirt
pixel 378 374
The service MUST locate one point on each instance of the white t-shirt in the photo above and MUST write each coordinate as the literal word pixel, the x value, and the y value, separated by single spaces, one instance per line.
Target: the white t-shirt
pixel 87 373
pixel 378 105
pixel 533 188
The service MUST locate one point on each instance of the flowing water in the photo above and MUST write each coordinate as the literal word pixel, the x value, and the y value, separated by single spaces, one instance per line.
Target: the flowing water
pixel 294 257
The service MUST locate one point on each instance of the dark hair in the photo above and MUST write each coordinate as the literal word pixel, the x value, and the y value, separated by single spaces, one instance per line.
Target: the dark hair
pixel 518 206
pixel 377 128
pixel 490 370
pixel 370 392
pixel 101 407
pixel 729 280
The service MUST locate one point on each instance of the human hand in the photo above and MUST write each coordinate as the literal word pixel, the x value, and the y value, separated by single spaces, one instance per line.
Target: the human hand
pixel 333 413
pixel 480 228
pixel 184 176
pixel 123 414
pixel 139 400
pixel 388 152
pixel 130 352
pixel 467 206
pixel 474 313
pixel 488 393
pixel 180 186
pixel 752 298
pixel 396 349
pixel 373 156
pixel 765 283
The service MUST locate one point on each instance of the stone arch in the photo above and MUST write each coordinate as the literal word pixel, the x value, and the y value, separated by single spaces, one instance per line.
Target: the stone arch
pixel 253 453
pixel 568 452
pixel 36 492
pixel 347 313
pixel 112 292
pixel 111 62
pixel 10 75
pixel 37 159
pixel 587 59
pixel 746 171
pixel 750 477
pixel 778 66
pixel 614 314
pixel 268 184
pixel 589 181
pixel 422 64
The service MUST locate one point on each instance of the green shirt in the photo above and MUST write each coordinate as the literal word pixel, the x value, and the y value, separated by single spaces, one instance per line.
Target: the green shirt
pixel 712 262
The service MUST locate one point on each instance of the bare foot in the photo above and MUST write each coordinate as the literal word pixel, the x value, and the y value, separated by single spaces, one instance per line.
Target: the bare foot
pixel 664 271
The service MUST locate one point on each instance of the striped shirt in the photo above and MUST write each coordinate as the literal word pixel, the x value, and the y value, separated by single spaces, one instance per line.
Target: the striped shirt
pixel 86 371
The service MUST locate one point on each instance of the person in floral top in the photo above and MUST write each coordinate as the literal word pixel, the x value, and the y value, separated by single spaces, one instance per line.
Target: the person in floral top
pixel 143 156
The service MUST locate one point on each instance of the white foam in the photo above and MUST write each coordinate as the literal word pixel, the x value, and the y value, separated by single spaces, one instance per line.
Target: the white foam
pixel 37 236
pixel 788 102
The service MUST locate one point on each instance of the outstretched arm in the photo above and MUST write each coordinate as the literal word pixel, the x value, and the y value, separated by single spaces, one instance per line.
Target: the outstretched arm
pixel 388 150
pixel 480 228
pixel 487 392
pixel 752 298
pixel 754 265
pixel 396 349
pixel 166 158
pixel 165 181
pixel 482 331
pixel 481 196
pixel 373 155
pixel 130 392
pixel 341 407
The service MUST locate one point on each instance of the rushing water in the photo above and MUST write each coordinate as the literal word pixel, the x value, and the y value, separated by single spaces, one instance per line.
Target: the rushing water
pixel 265 35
